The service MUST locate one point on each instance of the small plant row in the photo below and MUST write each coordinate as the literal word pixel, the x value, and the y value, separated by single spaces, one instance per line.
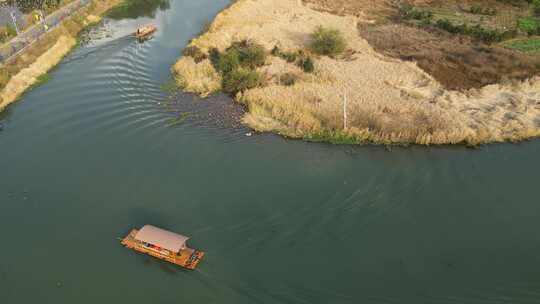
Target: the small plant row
pixel 300 58
pixel 476 31
pixel 480 10
pixel 426 19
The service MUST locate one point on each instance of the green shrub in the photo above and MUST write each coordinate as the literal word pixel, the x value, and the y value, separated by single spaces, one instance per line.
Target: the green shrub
pixel 214 56
pixel 290 57
pixel 476 31
pixel 237 65
pixel 228 62
pixel 250 54
pixel 275 51
pixel 195 53
pixel 11 31
pixel 413 13
pixel 529 25
pixel 328 41
pixel 241 79
pixel 307 64
pixel 241 53
pixel 335 137
pixel 253 56
pixel 536 7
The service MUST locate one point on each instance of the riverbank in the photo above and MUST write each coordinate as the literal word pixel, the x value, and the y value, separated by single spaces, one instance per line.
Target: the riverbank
pixel 387 100
pixel 25 70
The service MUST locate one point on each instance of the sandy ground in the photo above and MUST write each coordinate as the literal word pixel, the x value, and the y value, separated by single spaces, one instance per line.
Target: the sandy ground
pixel 388 100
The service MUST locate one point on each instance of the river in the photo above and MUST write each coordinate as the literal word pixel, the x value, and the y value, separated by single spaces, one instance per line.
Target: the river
pixel 102 148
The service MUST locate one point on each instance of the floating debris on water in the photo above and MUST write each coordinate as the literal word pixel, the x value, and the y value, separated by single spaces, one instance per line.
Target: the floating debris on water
pixel 218 111
pixel 179 119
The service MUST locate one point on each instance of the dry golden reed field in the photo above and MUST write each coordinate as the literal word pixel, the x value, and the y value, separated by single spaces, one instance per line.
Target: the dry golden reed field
pixel 388 100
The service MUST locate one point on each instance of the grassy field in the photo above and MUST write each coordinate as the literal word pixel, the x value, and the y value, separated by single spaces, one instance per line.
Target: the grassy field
pixel 527 45
pixel 463 44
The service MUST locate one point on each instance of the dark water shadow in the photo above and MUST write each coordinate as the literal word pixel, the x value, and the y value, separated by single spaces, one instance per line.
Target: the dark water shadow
pixel 138 8
pixel 218 111
pixel 4 117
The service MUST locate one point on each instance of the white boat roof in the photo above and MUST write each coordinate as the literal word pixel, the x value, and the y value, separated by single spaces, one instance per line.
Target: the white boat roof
pixel 162 238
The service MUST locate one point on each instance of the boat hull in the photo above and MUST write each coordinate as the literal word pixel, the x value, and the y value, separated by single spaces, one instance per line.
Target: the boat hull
pixel 187 258
pixel 146 34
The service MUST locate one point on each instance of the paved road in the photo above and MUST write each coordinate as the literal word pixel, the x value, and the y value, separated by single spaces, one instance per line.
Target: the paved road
pixel 17 44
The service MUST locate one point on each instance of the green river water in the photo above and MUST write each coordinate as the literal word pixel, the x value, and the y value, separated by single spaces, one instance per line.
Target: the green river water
pixel 97 151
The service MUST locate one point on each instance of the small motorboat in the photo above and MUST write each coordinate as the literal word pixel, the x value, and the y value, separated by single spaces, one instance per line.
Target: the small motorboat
pixel 145 32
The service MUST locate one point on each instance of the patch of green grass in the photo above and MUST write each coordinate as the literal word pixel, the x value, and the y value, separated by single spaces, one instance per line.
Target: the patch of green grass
pixel 531 45
pixel 306 64
pixel 529 25
pixel 334 137
pixel 40 80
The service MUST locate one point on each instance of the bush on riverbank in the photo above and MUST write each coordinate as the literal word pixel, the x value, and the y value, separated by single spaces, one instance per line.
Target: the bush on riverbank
pixel 243 53
pixel 195 53
pixel 529 25
pixel 536 7
pixel 300 58
pixel 328 41
pixel 238 64
pixel 241 79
